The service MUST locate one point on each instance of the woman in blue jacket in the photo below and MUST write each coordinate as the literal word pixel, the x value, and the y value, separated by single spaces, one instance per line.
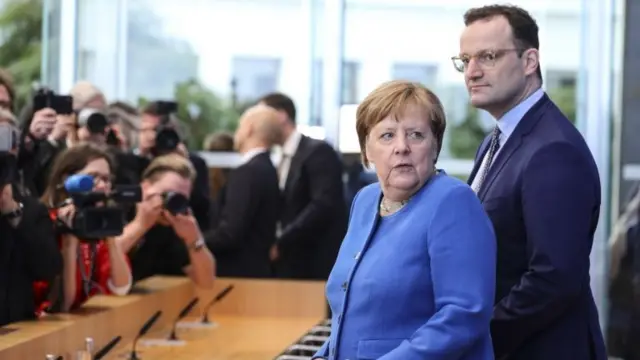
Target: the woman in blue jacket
pixel 415 275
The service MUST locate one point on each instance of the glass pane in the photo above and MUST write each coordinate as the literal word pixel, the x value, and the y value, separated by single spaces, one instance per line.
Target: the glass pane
pixel 51 43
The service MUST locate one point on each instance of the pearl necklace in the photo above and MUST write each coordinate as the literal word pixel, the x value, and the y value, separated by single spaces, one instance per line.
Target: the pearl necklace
pixel 388 207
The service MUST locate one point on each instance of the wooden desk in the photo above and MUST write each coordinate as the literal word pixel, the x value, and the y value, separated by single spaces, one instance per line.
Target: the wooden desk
pixel 235 337
pixel 283 309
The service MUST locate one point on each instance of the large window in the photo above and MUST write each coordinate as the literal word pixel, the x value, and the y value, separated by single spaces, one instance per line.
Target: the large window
pixel 253 77
pixel 424 74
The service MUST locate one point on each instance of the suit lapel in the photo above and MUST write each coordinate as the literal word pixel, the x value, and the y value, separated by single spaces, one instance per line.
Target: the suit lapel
pixel 296 164
pixel 525 126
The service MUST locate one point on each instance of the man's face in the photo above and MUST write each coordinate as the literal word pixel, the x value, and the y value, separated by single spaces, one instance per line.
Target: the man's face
pixel 147 134
pixel 5 98
pixel 167 182
pixel 494 74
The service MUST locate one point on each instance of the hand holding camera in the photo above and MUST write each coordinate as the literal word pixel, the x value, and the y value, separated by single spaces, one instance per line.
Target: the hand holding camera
pixel 148 212
pixel 7 202
pixel 43 123
pixel 185 226
pixel 63 125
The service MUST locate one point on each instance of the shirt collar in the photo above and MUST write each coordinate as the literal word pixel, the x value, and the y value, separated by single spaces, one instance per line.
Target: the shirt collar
pixel 246 157
pixel 291 144
pixel 508 122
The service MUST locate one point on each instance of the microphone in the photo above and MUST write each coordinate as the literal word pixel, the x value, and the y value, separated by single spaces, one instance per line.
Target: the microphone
pixel 78 183
pixel 105 350
pixel 143 330
pixel 182 314
pixel 220 296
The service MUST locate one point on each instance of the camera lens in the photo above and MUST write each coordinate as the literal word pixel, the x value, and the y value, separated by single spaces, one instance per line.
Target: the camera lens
pixel 95 121
pixel 176 203
pixel 167 140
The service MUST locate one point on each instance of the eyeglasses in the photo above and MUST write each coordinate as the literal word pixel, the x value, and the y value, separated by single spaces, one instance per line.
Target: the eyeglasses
pixel 105 179
pixel 484 59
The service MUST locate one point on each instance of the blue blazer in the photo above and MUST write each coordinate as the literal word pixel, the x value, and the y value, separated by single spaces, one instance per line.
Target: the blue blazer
pixel 542 194
pixel 418 284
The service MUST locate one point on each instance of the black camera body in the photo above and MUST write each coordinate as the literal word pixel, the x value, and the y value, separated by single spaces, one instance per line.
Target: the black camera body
pixel 100 215
pixel 94 120
pixel 167 138
pixel 175 203
pixel 45 98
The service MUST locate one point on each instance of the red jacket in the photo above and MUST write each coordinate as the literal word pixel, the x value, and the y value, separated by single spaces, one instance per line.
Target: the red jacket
pixel 99 281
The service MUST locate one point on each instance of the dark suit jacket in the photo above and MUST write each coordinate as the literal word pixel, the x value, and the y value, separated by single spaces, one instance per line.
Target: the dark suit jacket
pixel 28 253
pixel 542 194
pixel 314 215
pixel 247 224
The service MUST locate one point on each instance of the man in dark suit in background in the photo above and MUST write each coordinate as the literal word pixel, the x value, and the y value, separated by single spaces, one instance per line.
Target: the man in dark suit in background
pixel 540 186
pixel 247 225
pixel 314 218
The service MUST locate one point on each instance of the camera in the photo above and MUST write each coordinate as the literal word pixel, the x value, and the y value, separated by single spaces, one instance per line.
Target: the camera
pixel 167 138
pixel 98 215
pixel 44 98
pixel 9 137
pixel 175 203
pixel 94 120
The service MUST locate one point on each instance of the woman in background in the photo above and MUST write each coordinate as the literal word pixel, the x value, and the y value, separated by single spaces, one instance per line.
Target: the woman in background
pixel 415 276
pixel 89 268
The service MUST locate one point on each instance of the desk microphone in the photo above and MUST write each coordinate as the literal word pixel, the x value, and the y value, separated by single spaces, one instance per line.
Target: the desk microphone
pixel 143 330
pixel 187 309
pixel 105 350
pixel 220 296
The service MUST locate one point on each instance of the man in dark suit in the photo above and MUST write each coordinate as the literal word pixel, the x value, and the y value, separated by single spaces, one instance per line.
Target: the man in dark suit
pixel 540 186
pixel 247 226
pixel 313 220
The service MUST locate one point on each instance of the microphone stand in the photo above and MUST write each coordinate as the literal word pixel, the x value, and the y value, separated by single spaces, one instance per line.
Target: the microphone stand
pixel 220 296
pixel 143 330
pixel 173 336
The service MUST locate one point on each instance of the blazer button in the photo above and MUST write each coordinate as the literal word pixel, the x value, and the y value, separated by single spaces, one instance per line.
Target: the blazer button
pixel 344 286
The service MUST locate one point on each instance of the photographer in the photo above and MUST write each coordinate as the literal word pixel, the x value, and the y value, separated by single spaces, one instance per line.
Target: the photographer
pixel 49 126
pixel 164 238
pixel 27 242
pixel 90 267
pixel 159 135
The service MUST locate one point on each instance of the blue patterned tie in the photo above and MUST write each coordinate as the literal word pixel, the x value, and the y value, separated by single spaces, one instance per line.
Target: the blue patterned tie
pixel 494 146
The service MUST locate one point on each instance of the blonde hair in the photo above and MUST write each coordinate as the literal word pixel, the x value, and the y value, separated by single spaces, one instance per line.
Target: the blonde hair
pixel 392 98
pixel 169 163
pixel 6 115
pixel 83 92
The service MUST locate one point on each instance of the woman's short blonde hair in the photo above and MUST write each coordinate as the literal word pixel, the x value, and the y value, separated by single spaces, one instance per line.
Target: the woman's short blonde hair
pixel 392 98
pixel 169 163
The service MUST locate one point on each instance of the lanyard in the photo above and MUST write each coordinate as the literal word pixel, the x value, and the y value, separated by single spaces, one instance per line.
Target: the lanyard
pixel 87 277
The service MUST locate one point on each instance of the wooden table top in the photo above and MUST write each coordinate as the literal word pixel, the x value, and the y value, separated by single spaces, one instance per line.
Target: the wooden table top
pixel 233 338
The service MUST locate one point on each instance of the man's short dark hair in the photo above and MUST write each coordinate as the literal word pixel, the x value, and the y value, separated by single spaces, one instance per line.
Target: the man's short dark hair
pixel 281 102
pixel 523 25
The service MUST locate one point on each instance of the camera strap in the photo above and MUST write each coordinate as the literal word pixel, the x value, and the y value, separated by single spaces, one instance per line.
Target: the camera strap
pixel 87 262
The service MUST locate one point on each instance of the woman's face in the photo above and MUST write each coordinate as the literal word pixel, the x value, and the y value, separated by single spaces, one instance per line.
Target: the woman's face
pixel 403 151
pixel 101 172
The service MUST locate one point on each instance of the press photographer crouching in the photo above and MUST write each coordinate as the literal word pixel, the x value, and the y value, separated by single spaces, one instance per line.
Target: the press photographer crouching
pixel 159 135
pixel 81 202
pixel 28 250
pixel 164 237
